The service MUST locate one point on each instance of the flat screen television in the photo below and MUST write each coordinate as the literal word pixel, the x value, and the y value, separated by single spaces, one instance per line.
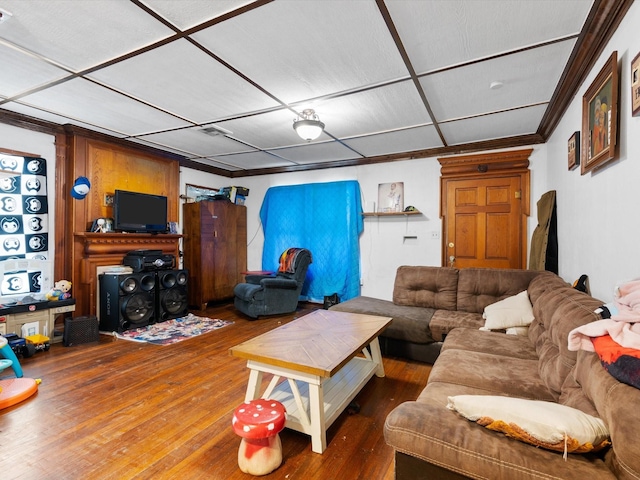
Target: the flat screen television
pixel 139 212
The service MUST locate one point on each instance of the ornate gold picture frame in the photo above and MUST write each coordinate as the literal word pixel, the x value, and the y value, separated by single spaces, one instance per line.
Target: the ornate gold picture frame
pixel 600 117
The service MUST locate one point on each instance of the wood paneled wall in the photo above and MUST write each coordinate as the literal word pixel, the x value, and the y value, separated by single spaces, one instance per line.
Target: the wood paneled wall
pixel 108 166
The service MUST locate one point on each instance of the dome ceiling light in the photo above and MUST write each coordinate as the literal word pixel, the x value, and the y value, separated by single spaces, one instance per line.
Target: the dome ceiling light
pixel 308 125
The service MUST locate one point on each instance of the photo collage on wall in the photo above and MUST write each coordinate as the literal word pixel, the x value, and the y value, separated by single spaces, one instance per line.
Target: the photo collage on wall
pixel 24 223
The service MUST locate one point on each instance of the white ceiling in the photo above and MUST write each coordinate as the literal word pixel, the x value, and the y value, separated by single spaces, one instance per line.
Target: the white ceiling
pixel 386 76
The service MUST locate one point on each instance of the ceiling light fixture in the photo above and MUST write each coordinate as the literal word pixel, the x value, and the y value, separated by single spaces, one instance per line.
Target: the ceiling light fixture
pixel 308 125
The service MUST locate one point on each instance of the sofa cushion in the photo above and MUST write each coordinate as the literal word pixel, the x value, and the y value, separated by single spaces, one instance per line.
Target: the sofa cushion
pixel 490 374
pixel 494 343
pixel 443 321
pixel 617 404
pixel 421 286
pixel 558 311
pixel 543 424
pixel 427 430
pixel 479 287
pixel 410 324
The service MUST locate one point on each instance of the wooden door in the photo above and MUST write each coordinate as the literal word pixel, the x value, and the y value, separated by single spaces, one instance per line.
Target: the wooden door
pixel 484 206
pixel 483 222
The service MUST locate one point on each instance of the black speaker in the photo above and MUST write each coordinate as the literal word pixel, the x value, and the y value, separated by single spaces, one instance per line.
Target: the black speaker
pixel 80 330
pixel 127 300
pixel 172 294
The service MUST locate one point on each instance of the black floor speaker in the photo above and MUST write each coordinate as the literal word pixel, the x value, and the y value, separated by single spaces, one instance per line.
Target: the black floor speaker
pixel 127 300
pixel 172 294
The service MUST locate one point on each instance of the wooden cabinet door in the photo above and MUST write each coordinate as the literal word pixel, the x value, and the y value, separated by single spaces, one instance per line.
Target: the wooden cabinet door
pixel 483 222
pixel 229 245
pixel 215 249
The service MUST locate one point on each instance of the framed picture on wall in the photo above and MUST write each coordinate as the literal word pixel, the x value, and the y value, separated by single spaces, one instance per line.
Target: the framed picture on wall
pixel 573 146
pixel 600 117
pixel 635 86
pixel 391 197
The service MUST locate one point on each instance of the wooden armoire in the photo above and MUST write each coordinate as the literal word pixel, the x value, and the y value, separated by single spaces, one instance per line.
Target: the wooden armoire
pixel 215 249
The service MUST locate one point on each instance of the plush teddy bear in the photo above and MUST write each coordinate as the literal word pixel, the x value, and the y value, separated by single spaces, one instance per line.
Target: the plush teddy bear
pixel 60 291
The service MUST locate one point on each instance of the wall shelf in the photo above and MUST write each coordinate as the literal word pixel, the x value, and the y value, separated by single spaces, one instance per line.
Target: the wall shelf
pixel 390 214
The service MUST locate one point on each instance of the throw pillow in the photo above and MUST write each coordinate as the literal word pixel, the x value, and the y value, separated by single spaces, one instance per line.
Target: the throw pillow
pixel 544 424
pixel 515 311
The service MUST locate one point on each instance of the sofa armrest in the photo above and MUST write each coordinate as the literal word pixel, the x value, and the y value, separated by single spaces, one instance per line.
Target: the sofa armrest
pixel 279 282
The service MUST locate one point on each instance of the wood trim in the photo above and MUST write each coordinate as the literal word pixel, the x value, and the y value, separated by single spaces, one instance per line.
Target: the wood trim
pixel 498 162
pixel 19 153
pixel 602 22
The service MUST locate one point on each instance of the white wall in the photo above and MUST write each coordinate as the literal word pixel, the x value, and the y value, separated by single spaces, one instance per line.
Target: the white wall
pixel 42 145
pixel 386 242
pixel 598 223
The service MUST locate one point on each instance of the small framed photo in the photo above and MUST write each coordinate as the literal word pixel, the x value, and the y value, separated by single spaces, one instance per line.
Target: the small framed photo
pixel 574 150
pixel 635 86
pixel 600 117
pixel 390 197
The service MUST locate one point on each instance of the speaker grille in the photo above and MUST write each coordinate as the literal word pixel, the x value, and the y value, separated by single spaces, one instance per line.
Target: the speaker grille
pixel 80 330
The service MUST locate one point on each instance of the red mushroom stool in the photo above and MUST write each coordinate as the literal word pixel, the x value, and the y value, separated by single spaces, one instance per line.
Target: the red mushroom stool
pixel 258 422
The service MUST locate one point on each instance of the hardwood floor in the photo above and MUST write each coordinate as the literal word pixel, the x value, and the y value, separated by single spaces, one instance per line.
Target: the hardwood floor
pixel 124 410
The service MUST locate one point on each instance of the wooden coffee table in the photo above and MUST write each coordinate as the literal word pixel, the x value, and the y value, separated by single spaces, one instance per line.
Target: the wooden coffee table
pixel 319 363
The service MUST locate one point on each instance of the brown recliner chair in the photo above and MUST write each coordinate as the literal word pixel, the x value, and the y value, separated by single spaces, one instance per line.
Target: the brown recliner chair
pixel 274 294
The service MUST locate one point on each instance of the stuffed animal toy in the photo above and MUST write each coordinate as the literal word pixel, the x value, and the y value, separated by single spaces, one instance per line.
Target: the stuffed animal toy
pixel 60 291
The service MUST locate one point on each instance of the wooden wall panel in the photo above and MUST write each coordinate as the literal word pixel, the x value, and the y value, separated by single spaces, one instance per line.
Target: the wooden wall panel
pixel 110 166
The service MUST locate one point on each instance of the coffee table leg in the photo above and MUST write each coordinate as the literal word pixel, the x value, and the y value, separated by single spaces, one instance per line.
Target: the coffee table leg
pixel 376 356
pixel 316 411
pixel 253 388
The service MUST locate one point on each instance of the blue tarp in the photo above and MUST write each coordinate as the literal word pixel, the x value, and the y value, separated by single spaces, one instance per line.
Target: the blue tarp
pixel 325 218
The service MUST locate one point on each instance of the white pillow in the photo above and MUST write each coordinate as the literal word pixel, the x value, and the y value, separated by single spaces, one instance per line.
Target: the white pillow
pixel 544 424
pixel 515 311
pixel 522 331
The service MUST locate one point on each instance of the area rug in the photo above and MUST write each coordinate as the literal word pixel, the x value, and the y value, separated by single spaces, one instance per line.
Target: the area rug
pixel 173 331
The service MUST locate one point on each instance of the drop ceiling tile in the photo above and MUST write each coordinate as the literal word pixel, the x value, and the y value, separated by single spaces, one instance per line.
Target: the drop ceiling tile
pixel 266 130
pixel 20 72
pixel 195 142
pixel 488 127
pixel 189 13
pixel 253 160
pixel 419 138
pixel 87 102
pixel 214 163
pixel 317 153
pixel 301 50
pixel 372 111
pixel 80 34
pixel 56 119
pixel 159 146
pixel 181 78
pixel 529 77
pixel 437 34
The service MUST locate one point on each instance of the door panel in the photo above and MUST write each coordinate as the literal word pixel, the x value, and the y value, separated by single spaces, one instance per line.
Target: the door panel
pixel 483 222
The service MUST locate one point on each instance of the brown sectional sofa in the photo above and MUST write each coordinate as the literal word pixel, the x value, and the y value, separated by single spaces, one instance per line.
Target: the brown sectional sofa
pixel 433 442
pixel 428 302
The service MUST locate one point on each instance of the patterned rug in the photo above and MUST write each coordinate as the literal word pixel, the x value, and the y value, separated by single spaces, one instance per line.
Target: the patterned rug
pixel 173 331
